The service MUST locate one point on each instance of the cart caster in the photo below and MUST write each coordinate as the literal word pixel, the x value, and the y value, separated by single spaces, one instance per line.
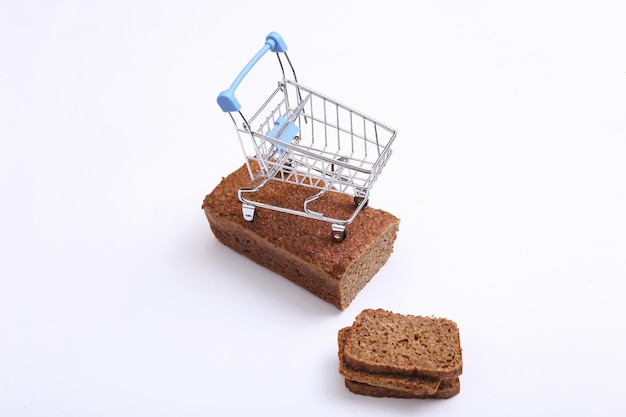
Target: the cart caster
pixel 249 212
pixel 359 200
pixel 339 232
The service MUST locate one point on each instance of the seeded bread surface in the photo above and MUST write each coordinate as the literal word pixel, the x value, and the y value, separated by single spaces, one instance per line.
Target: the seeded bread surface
pixel 299 248
pixel 388 343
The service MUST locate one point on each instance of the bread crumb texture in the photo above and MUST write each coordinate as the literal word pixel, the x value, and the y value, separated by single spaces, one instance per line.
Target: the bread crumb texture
pixel 384 354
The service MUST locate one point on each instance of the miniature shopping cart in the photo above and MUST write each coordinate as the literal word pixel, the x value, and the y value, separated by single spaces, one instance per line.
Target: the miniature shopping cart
pixel 302 137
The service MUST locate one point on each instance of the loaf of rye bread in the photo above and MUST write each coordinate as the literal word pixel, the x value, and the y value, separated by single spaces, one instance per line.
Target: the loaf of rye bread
pixel 299 248
pixel 447 389
pixel 410 385
pixel 382 342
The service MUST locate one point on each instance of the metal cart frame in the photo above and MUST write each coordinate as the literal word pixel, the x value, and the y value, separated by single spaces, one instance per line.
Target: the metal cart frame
pixel 303 137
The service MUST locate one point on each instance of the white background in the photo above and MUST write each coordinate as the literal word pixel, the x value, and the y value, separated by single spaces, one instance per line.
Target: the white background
pixel 508 174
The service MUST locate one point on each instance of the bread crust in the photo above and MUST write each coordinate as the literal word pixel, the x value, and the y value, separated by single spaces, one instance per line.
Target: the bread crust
pixel 447 389
pixel 302 249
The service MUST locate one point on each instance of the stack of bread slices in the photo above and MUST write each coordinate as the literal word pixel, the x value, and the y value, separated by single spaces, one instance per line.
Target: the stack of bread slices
pixel 384 354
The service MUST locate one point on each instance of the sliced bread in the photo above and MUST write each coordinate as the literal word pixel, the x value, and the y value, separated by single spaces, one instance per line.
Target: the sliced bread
pixel 412 385
pixel 447 389
pixel 383 342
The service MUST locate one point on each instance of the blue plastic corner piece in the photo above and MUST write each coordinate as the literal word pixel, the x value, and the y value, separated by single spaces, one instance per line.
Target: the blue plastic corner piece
pixel 276 42
pixel 288 134
pixel 227 101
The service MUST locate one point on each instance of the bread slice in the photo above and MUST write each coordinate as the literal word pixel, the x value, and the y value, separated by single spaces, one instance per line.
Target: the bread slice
pixel 412 385
pixel 447 389
pixel 299 248
pixel 383 342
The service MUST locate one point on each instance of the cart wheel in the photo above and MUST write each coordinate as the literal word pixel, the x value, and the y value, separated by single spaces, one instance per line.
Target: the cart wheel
pixel 358 200
pixel 339 233
pixel 249 212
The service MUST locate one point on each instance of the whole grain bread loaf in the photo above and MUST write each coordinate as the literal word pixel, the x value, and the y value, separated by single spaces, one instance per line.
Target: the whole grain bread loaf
pixel 302 249
pixel 412 385
pixel 447 389
pixel 383 342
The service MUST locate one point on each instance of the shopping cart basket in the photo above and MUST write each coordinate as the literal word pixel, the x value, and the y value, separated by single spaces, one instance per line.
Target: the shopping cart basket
pixel 302 137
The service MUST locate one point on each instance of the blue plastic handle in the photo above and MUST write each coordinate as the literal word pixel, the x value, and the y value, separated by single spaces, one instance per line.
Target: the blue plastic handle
pixel 226 99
